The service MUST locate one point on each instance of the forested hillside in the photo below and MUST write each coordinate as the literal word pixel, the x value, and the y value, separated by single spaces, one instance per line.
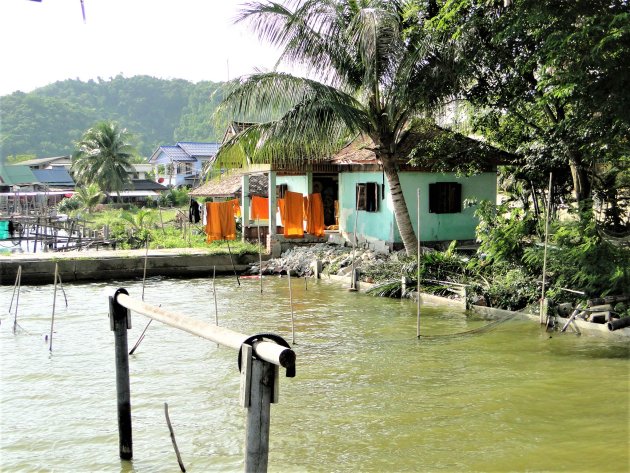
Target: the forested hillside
pixel 47 121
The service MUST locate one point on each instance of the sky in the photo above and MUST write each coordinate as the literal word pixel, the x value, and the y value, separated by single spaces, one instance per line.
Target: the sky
pixel 48 41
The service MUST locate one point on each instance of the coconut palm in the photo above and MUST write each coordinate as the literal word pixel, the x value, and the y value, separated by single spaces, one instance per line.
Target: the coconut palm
pixel 376 72
pixel 89 196
pixel 103 157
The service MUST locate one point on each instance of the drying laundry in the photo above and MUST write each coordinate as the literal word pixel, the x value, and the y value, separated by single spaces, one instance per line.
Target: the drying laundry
pixel 220 220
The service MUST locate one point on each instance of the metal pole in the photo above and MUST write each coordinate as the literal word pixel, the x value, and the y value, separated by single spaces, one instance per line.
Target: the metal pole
pixel 120 322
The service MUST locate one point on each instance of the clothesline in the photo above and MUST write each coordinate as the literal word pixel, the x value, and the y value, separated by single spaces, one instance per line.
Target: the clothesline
pixel 295 210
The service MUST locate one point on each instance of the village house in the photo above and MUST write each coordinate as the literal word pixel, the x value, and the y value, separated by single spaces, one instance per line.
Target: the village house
pixel 183 164
pixel 356 195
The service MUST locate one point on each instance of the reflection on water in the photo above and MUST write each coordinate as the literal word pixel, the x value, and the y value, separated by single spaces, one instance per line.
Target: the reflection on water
pixel 368 395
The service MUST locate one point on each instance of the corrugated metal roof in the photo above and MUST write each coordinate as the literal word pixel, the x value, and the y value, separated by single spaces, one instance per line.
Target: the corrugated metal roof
pixel 147 184
pixel 58 176
pixel 40 161
pixel 17 175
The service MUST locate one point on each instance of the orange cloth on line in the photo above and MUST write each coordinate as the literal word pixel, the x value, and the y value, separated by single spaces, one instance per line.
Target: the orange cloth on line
pixel 220 224
pixel 281 209
pixel 293 219
pixel 315 215
pixel 236 206
pixel 260 208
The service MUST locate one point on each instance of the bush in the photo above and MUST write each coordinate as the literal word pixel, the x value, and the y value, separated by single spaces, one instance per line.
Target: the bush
pixel 68 205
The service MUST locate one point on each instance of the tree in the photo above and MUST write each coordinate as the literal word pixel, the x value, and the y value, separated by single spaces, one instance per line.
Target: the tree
pixel 549 78
pixel 89 196
pixel 103 157
pixel 376 74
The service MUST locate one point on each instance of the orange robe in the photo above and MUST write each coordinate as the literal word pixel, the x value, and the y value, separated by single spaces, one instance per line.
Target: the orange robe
pixel 260 208
pixel 220 223
pixel 293 218
pixel 315 215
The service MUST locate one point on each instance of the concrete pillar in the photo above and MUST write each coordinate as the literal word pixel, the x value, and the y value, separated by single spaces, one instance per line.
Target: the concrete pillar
pixel 245 199
pixel 309 183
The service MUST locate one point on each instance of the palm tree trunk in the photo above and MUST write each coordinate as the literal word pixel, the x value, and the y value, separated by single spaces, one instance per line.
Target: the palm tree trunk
pixel 401 212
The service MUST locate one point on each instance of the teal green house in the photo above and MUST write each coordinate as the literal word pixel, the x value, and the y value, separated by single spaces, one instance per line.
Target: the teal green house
pixel 444 176
pixel 357 197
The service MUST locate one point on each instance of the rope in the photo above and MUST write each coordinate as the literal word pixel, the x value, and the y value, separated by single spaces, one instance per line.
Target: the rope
pixel 479 330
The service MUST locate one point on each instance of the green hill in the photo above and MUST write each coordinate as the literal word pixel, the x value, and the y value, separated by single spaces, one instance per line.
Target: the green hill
pixel 47 121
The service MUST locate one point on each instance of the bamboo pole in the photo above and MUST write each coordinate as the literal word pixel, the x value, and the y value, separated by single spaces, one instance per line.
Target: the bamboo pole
pixel 140 338
pixel 18 284
pixel 146 257
pixel 353 283
pixel 418 285
pixel 291 304
pixel 52 321
pixel 259 255
pixel 214 292
pixel 544 274
pixel 232 261
pixel 170 429
pixel 268 351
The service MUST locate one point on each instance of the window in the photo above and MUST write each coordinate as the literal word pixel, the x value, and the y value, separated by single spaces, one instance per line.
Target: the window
pixel 367 196
pixel 445 197
pixel 281 190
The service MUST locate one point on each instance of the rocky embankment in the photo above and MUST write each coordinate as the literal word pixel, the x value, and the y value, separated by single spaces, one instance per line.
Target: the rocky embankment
pixel 336 260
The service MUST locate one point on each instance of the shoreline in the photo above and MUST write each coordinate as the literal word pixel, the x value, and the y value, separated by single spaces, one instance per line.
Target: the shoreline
pixel 103 265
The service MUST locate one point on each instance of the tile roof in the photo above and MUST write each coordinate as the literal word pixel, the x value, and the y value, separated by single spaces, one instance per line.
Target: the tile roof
pixel 171 153
pixel 229 186
pixel 196 149
pixel 361 150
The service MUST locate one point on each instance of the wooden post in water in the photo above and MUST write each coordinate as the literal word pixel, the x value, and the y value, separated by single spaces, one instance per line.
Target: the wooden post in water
pixel 120 322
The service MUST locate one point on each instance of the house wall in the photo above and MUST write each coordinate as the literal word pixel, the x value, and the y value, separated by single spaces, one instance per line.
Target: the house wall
pixel 381 225
pixel 295 183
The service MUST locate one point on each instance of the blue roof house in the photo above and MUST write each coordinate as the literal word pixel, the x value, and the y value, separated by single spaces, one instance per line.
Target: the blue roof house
pixel 184 163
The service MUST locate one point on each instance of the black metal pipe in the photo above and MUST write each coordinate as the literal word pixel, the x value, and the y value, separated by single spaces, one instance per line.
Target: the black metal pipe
pixel 619 323
pixel 120 322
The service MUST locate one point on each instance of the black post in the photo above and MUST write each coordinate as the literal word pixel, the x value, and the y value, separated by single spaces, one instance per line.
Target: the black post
pixel 120 322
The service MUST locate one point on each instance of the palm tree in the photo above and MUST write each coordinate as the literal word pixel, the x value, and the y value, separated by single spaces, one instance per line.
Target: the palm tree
pixel 377 72
pixel 103 157
pixel 89 196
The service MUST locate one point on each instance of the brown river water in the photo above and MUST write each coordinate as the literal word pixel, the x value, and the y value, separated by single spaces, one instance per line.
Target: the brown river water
pixel 368 396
